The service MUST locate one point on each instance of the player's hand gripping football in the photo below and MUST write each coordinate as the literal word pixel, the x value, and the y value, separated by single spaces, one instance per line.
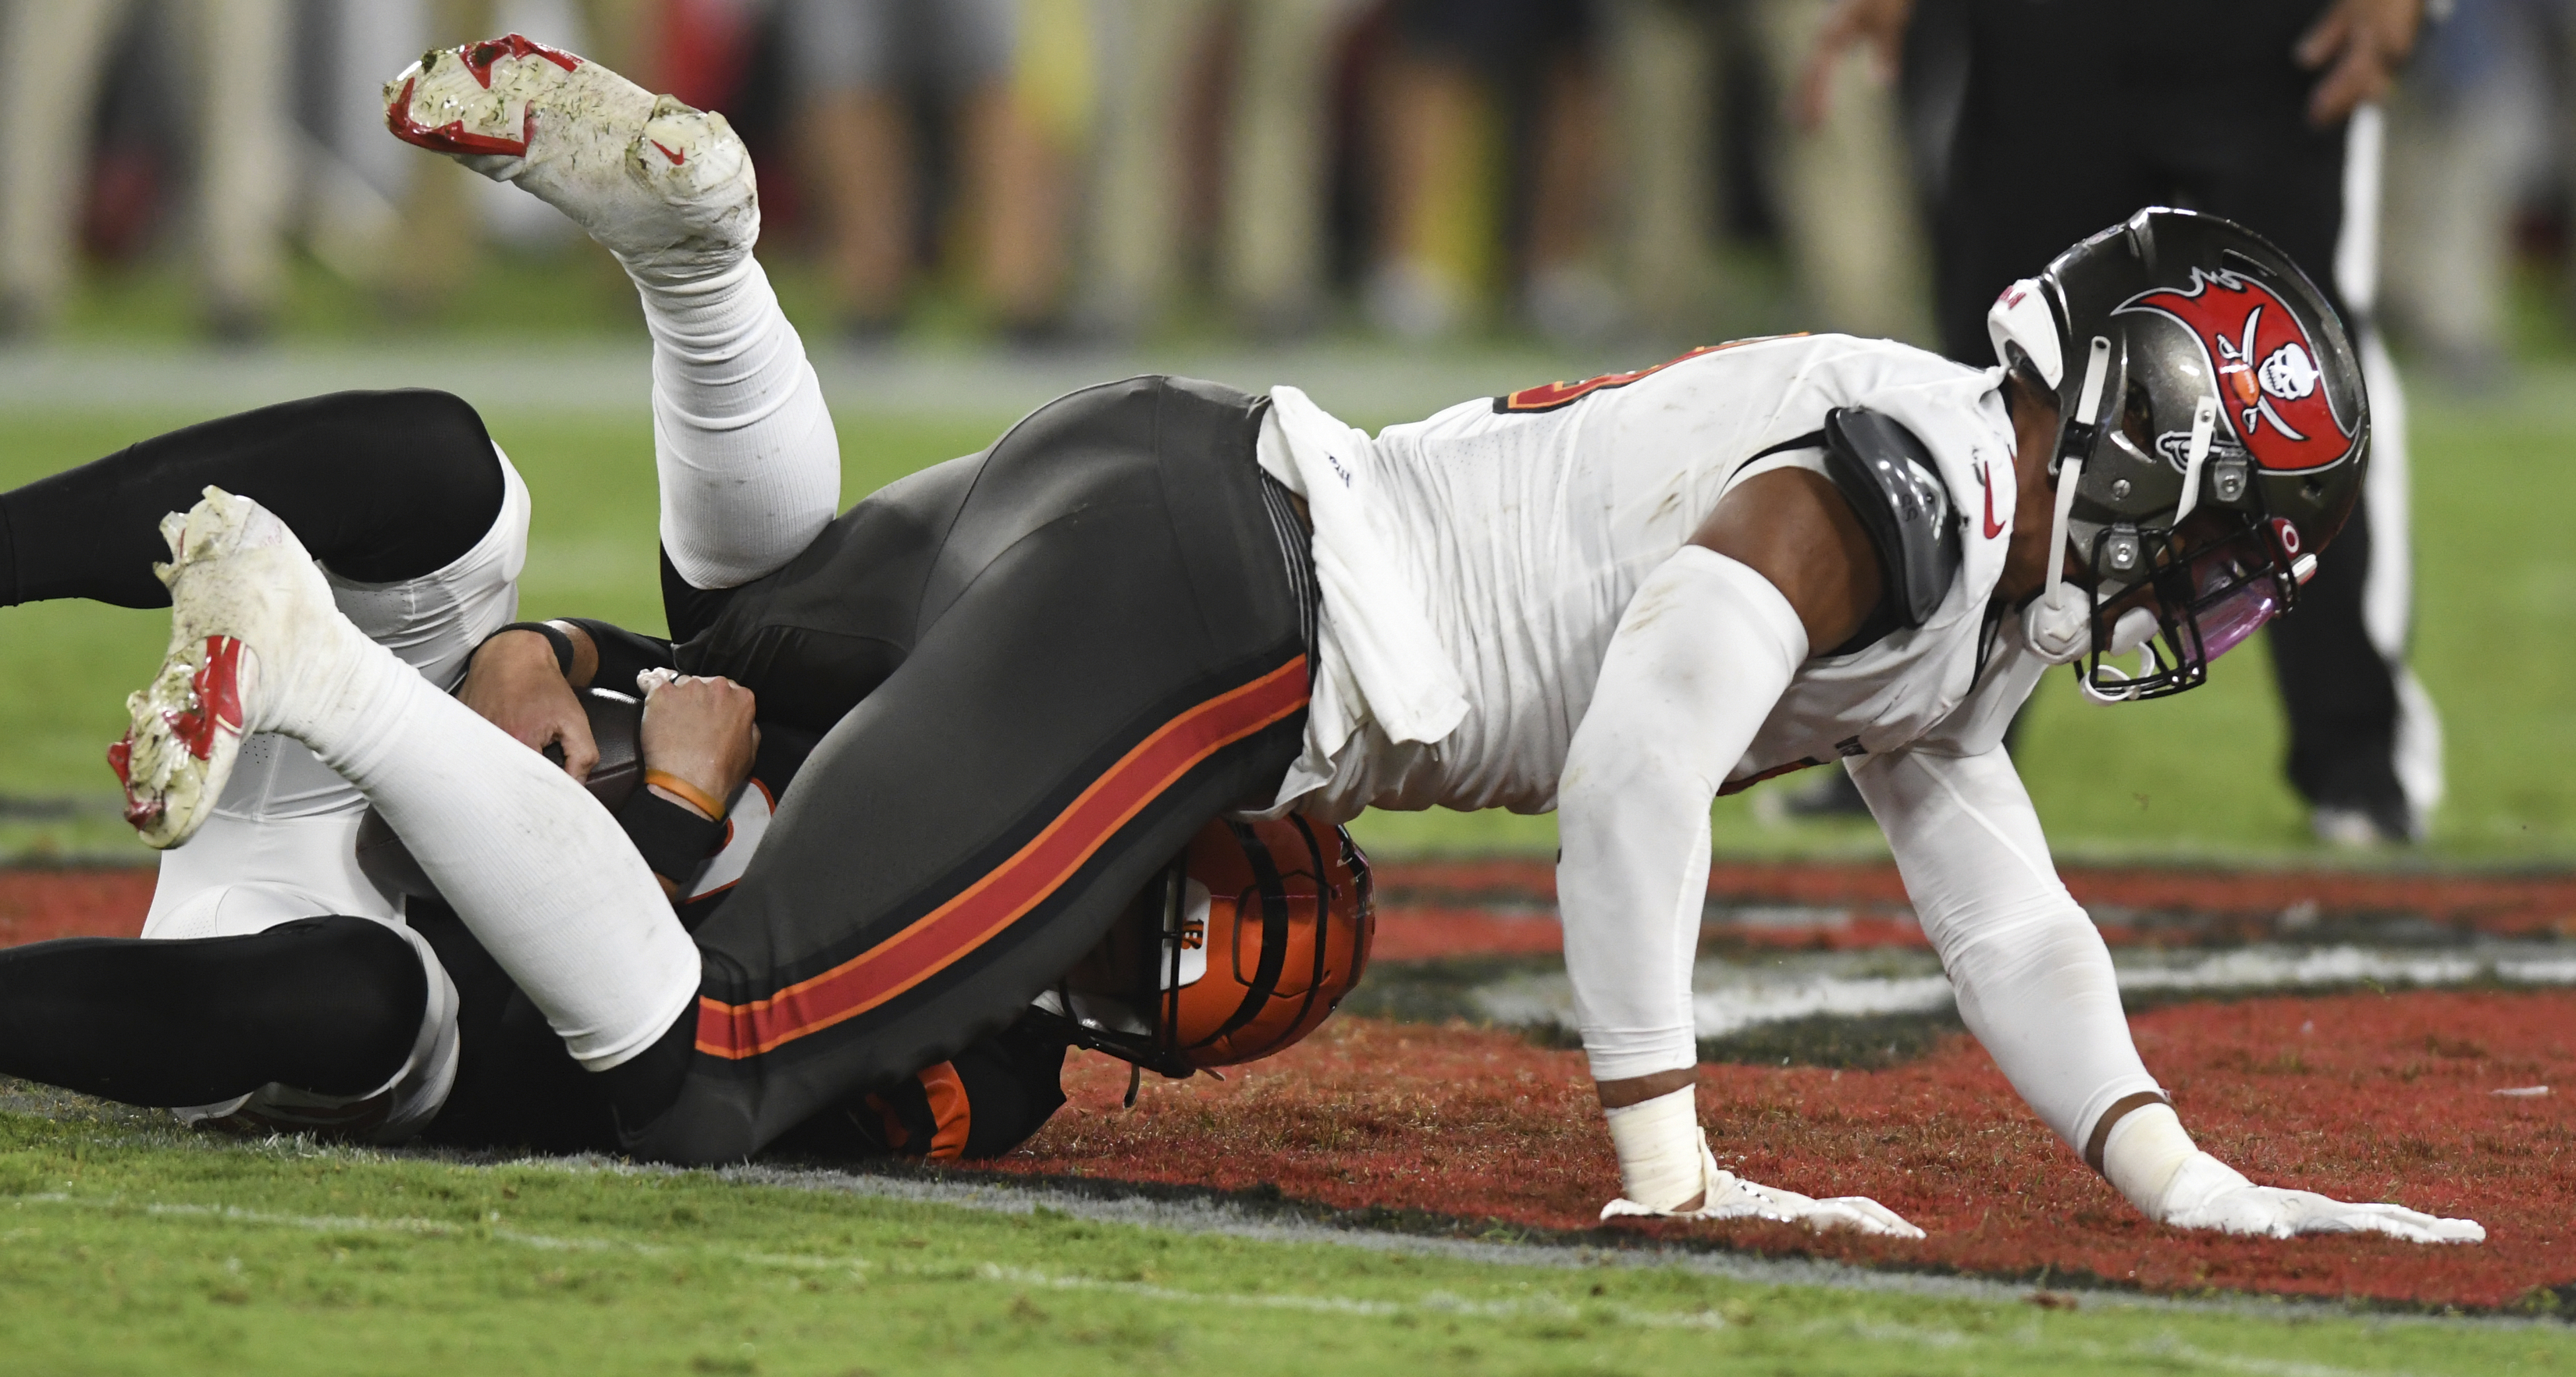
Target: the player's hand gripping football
pixel 2209 1194
pixel 515 684
pixel 700 730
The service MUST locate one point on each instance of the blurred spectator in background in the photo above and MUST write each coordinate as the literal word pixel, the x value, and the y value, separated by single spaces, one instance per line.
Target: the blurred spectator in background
pixel 1217 122
pixel 1835 178
pixel 1461 81
pixel 2472 132
pixel 2074 115
pixel 866 73
pixel 234 78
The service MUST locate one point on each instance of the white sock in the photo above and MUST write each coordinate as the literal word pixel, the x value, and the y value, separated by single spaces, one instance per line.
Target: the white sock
pixel 2147 1149
pixel 1660 1144
pixel 750 466
pixel 540 872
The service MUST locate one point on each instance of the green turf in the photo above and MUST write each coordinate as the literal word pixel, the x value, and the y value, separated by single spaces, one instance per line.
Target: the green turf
pixel 148 1251
pixel 2195 776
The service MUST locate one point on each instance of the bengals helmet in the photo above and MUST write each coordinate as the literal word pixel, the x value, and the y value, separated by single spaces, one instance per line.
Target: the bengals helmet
pixel 1238 949
pixel 2213 431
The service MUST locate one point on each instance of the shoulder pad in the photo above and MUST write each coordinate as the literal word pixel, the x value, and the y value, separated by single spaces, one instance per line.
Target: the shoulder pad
pixel 1893 485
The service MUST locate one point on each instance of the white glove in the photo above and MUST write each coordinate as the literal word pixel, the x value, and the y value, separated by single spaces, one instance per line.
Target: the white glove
pixel 2209 1194
pixel 1729 1196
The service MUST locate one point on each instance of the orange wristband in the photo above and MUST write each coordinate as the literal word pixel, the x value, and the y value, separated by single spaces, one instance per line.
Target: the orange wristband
pixel 671 783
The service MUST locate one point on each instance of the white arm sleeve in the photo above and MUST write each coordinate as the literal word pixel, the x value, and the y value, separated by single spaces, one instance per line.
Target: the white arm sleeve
pixel 1700 657
pixel 750 467
pixel 2034 980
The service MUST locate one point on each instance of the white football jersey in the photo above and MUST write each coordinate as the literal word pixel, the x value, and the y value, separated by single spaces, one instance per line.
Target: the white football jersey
pixel 1474 565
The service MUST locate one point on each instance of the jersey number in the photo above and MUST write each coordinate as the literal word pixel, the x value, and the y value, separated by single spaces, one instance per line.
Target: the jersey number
pixel 1550 396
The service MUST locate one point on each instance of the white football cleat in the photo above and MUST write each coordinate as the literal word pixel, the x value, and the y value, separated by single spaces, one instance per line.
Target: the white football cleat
pixel 655 181
pixel 248 608
pixel 1729 1196
pixel 2209 1194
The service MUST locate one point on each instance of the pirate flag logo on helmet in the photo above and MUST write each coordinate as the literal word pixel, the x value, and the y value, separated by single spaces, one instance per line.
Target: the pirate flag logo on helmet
pixel 2269 385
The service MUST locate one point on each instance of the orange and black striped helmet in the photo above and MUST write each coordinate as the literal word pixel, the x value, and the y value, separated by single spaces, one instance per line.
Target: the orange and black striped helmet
pixel 1237 950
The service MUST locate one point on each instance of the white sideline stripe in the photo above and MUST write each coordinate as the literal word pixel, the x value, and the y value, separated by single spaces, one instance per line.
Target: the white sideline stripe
pixel 1732 996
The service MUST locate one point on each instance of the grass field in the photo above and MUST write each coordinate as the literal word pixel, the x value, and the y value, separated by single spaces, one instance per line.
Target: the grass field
pixel 135 1250
pixel 2192 777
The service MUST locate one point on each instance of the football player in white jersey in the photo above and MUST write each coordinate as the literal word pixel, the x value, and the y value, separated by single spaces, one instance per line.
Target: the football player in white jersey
pixel 1043 666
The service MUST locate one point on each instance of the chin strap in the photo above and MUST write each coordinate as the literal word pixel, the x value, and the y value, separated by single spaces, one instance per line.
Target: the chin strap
pixel 2204 424
pixel 2059 623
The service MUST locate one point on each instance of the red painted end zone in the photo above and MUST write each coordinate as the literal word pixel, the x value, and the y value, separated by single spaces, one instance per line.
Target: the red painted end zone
pixel 2371 1097
pixel 40 905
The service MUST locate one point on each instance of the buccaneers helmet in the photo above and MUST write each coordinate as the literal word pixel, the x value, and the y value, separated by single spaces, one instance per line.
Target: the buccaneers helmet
pixel 1239 948
pixel 2212 435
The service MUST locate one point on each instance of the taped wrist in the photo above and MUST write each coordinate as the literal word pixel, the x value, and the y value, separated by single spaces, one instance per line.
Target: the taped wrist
pixel 2145 1151
pixel 1660 1149
pixel 674 840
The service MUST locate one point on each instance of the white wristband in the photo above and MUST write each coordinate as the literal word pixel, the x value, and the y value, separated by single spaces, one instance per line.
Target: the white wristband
pixel 2144 1153
pixel 1660 1149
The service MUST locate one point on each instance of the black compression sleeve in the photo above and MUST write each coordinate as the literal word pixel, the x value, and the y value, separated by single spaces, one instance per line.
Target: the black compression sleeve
pixel 623 654
pixel 380 486
pixel 328 1005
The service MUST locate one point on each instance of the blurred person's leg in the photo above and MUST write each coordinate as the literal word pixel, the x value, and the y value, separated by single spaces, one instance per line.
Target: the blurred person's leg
pixel 51 56
pixel 1133 237
pixel 1567 294
pixel 620 34
pixel 440 237
pixel 1016 193
pixel 2364 749
pixel 856 147
pixel 245 162
pixel 2452 165
pixel 1664 69
pixel 2387 620
pixel 1271 260
pixel 1847 207
pixel 1431 125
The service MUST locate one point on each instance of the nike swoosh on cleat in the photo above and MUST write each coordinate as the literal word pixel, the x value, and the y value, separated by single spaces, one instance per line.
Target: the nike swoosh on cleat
pixel 676 158
pixel 1993 527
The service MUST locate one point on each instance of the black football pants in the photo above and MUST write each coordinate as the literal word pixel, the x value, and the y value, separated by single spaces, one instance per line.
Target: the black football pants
pixel 2078 114
pixel 1038 672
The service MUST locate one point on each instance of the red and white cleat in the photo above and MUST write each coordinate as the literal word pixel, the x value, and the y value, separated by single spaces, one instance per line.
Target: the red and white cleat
pixel 655 181
pixel 244 599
